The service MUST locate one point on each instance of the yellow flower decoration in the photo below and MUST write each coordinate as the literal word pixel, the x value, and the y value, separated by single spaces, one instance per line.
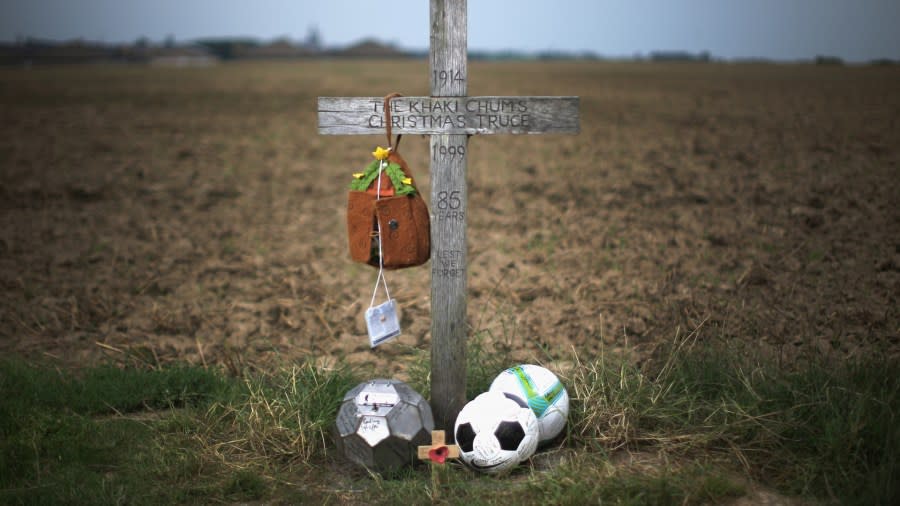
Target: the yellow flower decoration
pixel 406 180
pixel 359 175
pixel 381 153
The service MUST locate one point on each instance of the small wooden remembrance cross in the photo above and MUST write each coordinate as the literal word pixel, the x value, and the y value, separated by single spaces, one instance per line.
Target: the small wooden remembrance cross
pixel 439 450
pixel 449 117
pixel 438 453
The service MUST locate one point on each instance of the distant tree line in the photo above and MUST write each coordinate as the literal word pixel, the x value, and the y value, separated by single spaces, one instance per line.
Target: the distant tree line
pixel 227 48
pixel 680 56
pixel 142 50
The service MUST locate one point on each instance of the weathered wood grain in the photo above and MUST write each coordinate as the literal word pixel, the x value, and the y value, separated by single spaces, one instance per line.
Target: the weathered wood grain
pixel 448 50
pixel 449 326
pixel 450 115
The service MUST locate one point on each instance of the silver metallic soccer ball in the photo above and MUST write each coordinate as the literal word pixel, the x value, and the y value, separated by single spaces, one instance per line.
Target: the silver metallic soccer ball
pixel 381 423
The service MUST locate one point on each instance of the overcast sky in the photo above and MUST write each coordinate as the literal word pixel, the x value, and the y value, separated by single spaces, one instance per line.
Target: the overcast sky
pixel 779 29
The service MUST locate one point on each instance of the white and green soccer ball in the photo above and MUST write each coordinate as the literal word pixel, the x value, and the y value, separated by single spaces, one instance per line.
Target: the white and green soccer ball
pixel 543 392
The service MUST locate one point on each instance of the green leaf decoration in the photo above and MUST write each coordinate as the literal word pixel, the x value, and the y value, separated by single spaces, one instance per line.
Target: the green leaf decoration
pixel 369 175
pixel 394 173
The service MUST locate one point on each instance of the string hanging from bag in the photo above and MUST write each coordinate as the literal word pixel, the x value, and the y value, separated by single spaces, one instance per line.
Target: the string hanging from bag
pixel 382 322
pixel 380 277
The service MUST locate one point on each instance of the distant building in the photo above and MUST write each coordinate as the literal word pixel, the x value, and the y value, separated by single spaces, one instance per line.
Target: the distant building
pixel 313 40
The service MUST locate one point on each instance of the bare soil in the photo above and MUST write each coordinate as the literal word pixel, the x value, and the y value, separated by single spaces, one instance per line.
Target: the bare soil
pixel 195 214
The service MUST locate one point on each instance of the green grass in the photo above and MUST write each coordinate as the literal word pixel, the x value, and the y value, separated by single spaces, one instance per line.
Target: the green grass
pixel 603 483
pixel 823 429
pixel 72 440
pixel 700 423
pixel 157 436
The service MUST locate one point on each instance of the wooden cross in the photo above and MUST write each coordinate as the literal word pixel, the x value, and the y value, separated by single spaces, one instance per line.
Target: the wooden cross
pixel 437 453
pixel 439 450
pixel 449 117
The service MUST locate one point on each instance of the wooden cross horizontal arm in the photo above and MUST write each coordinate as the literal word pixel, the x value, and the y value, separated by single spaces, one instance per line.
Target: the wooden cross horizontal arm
pixel 450 115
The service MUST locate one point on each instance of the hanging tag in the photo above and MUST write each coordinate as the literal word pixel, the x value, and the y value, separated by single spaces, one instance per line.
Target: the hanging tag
pixel 382 322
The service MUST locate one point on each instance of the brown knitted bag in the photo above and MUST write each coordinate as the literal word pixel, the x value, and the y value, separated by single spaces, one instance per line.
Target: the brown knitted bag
pixel 403 219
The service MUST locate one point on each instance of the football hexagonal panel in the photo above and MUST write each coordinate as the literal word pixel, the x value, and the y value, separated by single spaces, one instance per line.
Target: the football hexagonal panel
pixel 510 435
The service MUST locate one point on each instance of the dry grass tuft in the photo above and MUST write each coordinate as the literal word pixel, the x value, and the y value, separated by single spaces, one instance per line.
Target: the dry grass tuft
pixel 283 419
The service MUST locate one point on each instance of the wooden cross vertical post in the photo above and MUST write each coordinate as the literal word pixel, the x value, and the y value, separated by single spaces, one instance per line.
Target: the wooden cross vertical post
pixel 449 116
pixel 449 74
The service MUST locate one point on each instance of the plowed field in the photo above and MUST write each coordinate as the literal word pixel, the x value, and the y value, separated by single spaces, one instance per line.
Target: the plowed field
pixel 195 214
